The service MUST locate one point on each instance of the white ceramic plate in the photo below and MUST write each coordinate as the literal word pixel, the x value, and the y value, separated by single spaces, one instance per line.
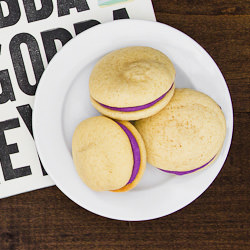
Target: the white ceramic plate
pixel 62 101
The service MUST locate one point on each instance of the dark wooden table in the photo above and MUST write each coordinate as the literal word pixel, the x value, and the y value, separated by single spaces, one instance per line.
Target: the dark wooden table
pixel 219 219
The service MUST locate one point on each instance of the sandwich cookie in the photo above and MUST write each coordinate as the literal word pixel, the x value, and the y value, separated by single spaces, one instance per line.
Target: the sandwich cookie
pixel 186 135
pixel 108 155
pixel 132 83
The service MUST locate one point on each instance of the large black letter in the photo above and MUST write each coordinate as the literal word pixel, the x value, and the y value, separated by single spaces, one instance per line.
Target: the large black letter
pixel 80 27
pixel 120 14
pixel 5 151
pixel 7 90
pixel 25 112
pixel 33 14
pixel 18 62
pixel 14 13
pixel 65 5
pixel 49 38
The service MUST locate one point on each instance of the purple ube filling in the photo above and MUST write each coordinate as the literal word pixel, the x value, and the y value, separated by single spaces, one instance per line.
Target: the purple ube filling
pixel 137 108
pixel 136 152
pixel 186 172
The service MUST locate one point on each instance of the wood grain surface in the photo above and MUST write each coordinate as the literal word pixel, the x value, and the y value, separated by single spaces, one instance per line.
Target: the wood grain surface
pixel 219 219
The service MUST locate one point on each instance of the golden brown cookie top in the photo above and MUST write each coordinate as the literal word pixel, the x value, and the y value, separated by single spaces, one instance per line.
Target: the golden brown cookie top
pixel 131 76
pixel 186 134
pixel 102 154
